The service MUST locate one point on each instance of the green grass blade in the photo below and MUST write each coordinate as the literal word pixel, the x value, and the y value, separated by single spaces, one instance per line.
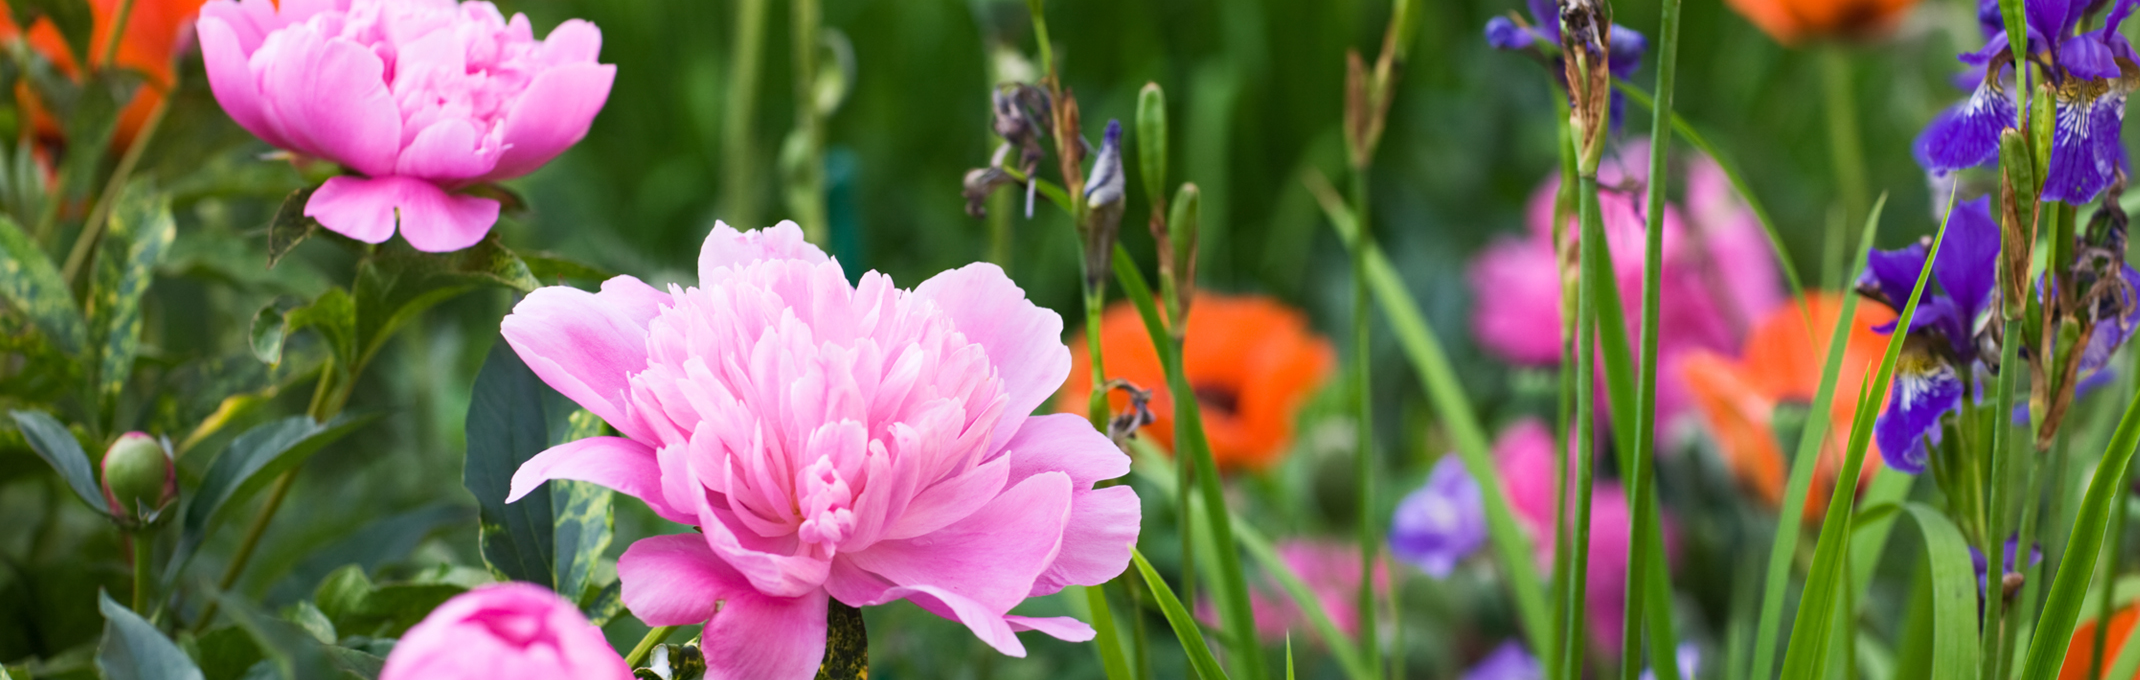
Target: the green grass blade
pixel 1512 548
pixel 1646 567
pixel 1232 595
pixel 1105 637
pixel 1192 639
pixel 1807 654
pixel 2061 609
pixel 1790 514
pixel 1954 592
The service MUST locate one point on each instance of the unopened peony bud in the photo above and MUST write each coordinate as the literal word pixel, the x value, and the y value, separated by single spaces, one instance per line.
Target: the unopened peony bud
pixel 139 479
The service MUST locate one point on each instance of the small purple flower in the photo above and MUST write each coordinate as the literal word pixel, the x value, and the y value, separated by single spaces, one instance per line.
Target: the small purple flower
pixel 1625 48
pixel 1507 662
pixel 1440 524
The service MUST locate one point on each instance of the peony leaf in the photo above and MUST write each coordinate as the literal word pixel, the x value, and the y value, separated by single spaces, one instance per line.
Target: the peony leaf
pixel 397 283
pixel 141 229
pixel 553 538
pixel 251 461
pixel 54 443
pixel 134 650
pixel 290 226
pixel 32 285
pixel 291 652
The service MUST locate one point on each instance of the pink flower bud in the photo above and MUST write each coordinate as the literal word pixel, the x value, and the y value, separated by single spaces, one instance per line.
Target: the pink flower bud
pixel 139 479
pixel 507 630
pixel 419 98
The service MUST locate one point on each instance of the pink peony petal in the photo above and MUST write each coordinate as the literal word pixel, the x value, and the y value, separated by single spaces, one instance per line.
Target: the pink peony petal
pixel 505 630
pixel 991 627
pixel 359 208
pixel 1023 340
pixel 1065 442
pixel 552 115
pixel 574 41
pixel 675 580
pixel 331 98
pixel 438 222
pixel 771 573
pixel 624 465
pixel 586 345
pixel 1096 541
pixel 726 249
pixel 446 151
pixel 224 55
pixel 1059 627
pixel 992 556
pixel 768 638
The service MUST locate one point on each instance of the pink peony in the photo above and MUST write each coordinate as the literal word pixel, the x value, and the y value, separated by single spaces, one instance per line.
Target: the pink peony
pixel 419 98
pixel 1719 273
pixel 506 630
pixel 852 441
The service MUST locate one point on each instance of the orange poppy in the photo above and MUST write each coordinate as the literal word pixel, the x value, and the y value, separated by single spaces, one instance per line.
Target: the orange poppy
pixel 1251 360
pixel 153 29
pixel 1781 362
pixel 2081 653
pixel 1790 21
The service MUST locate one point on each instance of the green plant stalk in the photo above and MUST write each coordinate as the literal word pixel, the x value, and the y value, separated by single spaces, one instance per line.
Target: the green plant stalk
pixel 1109 639
pixel 1569 593
pixel 1997 629
pixel 1040 37
pixel 144 547
pixel 1640 487
pixel 1845 146
pixel 739 162
pixel 1803 463
pixel 100 213
pixel 807 186
pixel 1232 589
pixel 646 645
pixel 1563 207
pixel 1363 460
pixel 1511 546
pixel 1000 205
pixel 2047 649
pixel 117 33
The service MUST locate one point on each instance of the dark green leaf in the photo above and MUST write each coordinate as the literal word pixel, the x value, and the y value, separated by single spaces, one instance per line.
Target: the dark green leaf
pixel 355 663
pixel 268 333
pixel 134 650
pixel 334 315
pixel 31 284
pixel 354 606
pixel 226 652
pixel 553 536
pixel 290 226
pixel 287 648
pixel 603 605
pixel 397 283
pixel 550 268
pixel 90 122
pixel 71 17
pixel 307 616
pixel 342 595
pixel 1954 593
pixel 251 461
pixel 58 447
pixel 141 228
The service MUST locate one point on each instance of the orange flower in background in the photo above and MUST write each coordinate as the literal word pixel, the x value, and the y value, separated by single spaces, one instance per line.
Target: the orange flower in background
pixel 1251 360
pixel 151 41
pixel 1790 21
pixel 2080 654
pixel 1781 362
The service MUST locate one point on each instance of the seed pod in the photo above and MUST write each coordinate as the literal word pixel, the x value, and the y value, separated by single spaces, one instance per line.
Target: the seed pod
pixel 139 479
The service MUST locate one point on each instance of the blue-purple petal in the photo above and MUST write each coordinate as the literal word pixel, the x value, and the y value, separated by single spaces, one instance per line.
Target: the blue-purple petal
pixel 1507 662
pixel 1968 262
pixel 2054 18
pixel 1894 272
pixel 1441 523
pixel 2084 148
pixel 1503 34
pixel 1925 388
pixel 1966 135
pixel 1546 14
pixel 2087 56
pixel 1627 47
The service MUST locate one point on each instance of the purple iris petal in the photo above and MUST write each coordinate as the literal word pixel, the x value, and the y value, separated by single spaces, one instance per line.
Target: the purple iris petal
pixel 2013 547
pixel 1507 662
pixel 1440 524
pixel 1894 272
pixel 1503 34
pixel 1627 47
pixel 1689 658
pixel 1967 267
pixel 2087 56
pixel 2054 18
pixel 2085 148
pixel 1966 135
pixel 1546 13
pixel 1925 388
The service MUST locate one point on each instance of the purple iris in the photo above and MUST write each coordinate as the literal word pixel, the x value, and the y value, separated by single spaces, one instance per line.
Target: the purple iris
pixel 1440 524
pixel 2013 547
pixel 1927 383
pixel 1507 662
pixel 1627 45
pixel 2086 145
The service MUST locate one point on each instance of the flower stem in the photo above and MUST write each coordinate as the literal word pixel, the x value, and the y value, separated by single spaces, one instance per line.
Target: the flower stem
pixel 117 33
pixel 1363 414
pixel 646 644
pixel 144 545
pixel 739 195
pixel 100 213
pixel 1570 595
pixel 1845 147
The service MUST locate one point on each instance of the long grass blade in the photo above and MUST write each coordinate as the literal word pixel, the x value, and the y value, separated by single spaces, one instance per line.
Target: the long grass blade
pixel 2061 609
pixel 1954 593
pixel 1646 566
pixel 1192 639
pixel 1512 548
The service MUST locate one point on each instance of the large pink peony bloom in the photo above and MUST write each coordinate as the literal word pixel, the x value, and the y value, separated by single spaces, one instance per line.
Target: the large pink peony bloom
pixel 507 630
pixel 418 97
pixel 852 441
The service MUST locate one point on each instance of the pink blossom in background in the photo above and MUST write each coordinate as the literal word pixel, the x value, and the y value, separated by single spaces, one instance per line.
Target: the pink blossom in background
pixel 1524 457
pixel 856 442
pixel 1719 272
pixel 1330 570
pixel 418 98
pixel 506 630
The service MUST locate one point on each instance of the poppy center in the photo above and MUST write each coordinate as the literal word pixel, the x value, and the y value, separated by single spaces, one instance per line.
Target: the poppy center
pixel 1223 398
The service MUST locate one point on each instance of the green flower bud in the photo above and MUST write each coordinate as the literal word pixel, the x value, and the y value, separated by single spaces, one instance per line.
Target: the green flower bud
pixel 139 479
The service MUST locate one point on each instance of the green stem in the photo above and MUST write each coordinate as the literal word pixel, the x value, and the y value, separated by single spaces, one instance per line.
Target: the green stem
pixel 738 153
pixel 1639 488
pixel 1845 147
pixel 144 545
pixel 1571 600
pixel 1040 38
pixel 806 183
pixel 646 645
pixel 117 34
pixel 1363 413
pixel 100 214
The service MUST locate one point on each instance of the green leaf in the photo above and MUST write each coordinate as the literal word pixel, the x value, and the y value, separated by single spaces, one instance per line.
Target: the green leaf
pixel 71 17
pixel 90 120
pixel 141 229
pixel 1185 627
pixel 58 447
pixel 398 282
pixel 270 328
pixel 251 461
pixel 290 226
pixel 2062 608
pixel 334 315
pixel 307 616
pixel 290 650
pixel 31 284
pixel 134 650
pixel 556 535
pixel 602 605
pixel 553 268
pixel 1954 593
pixel 226 652
pixel 352 604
